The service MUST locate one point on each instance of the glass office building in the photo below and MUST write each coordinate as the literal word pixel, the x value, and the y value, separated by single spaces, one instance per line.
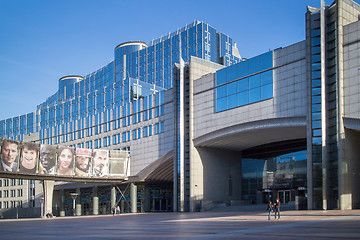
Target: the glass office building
pixel 83 103
pixel 204 126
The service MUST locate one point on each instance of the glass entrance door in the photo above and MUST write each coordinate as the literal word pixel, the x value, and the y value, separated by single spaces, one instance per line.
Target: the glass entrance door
pixel 284 196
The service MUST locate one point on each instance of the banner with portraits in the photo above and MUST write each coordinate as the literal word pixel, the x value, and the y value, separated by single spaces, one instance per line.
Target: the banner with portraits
pixel 43 159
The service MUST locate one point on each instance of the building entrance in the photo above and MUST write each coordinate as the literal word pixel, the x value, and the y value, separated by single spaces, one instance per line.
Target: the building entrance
pixel 284 196
pixel 266 179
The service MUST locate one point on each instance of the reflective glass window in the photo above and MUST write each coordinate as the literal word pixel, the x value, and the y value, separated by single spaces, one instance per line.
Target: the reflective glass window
pixel 221 104
pixel 231 88
pixel 317 132
pixel 266 91
pixel 221 91
pixel 316 66
pixel 232 73
pixel 254 64
pixel 316 140
pixel 243 98
pixel 246 90
pixel 254 81
pixel 316 116
pixel 243 85
pixel 221 77
pixel 266 77
pixel 316 99
pixel 315 50
pixel 267 60
pixel 316 91
pixel 232 101
pixel 316 83
pixel 254 95
pixel 316 124
pixel 242 69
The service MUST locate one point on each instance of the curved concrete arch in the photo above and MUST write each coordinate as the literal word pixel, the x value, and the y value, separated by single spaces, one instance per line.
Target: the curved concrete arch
pixel 247 135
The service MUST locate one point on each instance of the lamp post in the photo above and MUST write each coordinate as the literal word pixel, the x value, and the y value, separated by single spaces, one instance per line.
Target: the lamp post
pixel 17 208
pixel 74 196
pixel 42 207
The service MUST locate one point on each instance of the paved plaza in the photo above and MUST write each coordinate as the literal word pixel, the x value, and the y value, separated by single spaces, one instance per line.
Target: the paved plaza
pixel 307 225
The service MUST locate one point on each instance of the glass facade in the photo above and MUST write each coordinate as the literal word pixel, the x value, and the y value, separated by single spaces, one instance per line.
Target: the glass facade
pixel 316 124
pixel 281 176
pixel 244 83
pixel 101 101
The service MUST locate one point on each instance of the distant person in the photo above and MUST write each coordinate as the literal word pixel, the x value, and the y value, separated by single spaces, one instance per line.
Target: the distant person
pixel 82 162
pixel 65 161
pixel 47 159
pixel 49 215
pixel 29 155
pixel 117 210
pixel 277 208
pixel 9 154
pixel 113 211
pixel 101 163
pixel 269 209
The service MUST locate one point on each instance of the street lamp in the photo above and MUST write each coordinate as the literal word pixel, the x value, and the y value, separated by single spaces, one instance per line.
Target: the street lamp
pixel 74 196
pixel 42 207
pixel 17 208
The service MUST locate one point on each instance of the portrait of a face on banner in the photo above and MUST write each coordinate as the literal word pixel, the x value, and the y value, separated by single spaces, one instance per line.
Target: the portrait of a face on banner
pixel 10 153
pixel 47 159
pixel 29 157
pixel 65 161
pixel 100 163
pixel 83 162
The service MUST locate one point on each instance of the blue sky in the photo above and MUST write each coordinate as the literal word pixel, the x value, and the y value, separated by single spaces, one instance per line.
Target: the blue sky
pixel 42 41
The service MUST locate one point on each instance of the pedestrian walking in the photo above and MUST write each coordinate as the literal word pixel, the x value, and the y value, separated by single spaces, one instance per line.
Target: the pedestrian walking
pixel 269 209
pixel 277 208
pixel 113 211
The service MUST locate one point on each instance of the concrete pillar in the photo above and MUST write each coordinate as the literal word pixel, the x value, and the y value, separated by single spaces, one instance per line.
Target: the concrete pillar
pixel 78 209
pixel 48 190
pixel 95 201
pixel 133 196
pixel 78 203
pixel 113 197
pixel 62 201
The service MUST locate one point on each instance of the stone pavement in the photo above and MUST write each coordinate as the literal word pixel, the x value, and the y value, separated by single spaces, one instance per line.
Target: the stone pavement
pixel 334 224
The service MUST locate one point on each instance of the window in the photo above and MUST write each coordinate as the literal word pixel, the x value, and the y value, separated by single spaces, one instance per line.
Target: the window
pixel 235 89
pixel 145 131
pixel 150 130
pixel 162 127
